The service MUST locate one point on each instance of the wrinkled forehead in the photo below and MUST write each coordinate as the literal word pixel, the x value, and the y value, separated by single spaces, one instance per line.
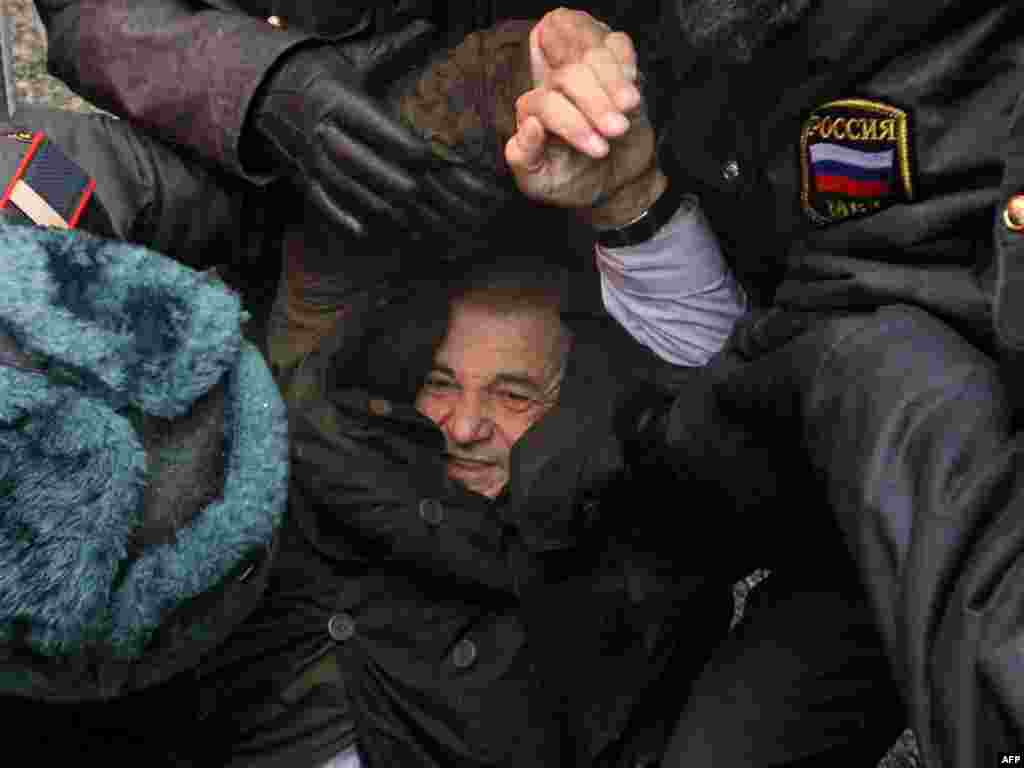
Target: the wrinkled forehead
pixel 486 338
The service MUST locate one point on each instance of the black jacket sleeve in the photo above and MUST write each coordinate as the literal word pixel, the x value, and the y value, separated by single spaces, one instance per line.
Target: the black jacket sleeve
pixel 909 429
pixel 186 71
pixel 152 195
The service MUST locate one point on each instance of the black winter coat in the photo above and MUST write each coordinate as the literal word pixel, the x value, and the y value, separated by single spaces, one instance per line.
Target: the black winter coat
pixel 914 111
pixel 865 157
pixel 440 628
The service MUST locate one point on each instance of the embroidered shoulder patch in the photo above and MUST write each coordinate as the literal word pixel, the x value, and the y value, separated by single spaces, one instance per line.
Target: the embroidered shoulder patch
pixel 855 160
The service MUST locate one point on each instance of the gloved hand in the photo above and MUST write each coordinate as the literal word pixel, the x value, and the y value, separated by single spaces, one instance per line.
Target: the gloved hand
pixel 358 163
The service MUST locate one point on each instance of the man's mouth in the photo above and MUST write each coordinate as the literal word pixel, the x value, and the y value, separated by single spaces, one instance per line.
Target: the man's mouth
pixel 468 464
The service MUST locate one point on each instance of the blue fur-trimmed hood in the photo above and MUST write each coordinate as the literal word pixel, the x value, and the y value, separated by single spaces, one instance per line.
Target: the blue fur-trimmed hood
pixel 121 329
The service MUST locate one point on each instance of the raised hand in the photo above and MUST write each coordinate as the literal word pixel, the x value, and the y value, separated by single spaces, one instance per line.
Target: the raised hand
pixel 591 70
pixel 549 170
pixel 558 155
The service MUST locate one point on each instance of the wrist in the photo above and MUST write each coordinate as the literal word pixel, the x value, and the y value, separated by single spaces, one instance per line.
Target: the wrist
pixel 259 158
pixel 262 151
pixel 627 203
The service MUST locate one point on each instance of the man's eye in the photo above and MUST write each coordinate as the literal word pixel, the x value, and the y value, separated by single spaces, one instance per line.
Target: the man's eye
pixel 441 385
pixel 515 400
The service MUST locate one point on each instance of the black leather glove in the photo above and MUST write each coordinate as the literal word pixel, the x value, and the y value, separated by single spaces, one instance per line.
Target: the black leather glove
pixel 357 162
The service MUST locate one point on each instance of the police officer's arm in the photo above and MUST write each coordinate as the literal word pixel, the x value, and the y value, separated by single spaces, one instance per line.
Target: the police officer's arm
pixel 184 70
pixel 908 427
pixel 942 552
pixel 266 99
pixel 463 103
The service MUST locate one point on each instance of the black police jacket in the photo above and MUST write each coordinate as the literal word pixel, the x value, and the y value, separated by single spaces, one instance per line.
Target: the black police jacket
pixel 189 71
pixel 864 157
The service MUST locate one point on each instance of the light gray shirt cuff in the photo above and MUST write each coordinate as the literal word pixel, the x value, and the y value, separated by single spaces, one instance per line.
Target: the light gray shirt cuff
pixel 674 293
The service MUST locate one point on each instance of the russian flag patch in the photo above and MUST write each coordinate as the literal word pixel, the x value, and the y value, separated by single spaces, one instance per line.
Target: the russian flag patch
pixel 855 160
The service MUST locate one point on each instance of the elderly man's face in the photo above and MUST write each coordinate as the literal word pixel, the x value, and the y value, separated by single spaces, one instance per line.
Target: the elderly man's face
pixel 496 373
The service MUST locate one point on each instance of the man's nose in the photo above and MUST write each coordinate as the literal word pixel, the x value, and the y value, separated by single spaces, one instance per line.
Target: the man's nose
pixel 470 420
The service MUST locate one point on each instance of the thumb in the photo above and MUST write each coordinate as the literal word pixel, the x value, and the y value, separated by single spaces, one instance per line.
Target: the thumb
pixel 525 150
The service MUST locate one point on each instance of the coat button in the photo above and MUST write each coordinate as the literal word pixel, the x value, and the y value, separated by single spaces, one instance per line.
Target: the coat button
pixel 731 170
pixel 341 627
pixel 1013 214
pixel 276 21
pixel 431 512
pixel 464 654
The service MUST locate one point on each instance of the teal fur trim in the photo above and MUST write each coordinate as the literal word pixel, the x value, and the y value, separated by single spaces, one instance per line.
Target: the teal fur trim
pixel 227 531
pixel 138 327
pixel 75 472
pixel 127 329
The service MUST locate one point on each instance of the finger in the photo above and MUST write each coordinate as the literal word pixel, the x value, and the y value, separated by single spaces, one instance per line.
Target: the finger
pixel 335 213
pixel 356 197
pixel 539 65
pixel 621 46
pixel 564 35
pixel 524 152
pixel 428 219
pixel 613 78
pixel 449 202
pixel 599 89
pixel 359 114
pixel 359 161
pixel 558 116
pixel 471 183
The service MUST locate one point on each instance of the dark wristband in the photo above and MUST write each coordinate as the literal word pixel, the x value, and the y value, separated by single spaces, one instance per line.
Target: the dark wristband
pixel 647 224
